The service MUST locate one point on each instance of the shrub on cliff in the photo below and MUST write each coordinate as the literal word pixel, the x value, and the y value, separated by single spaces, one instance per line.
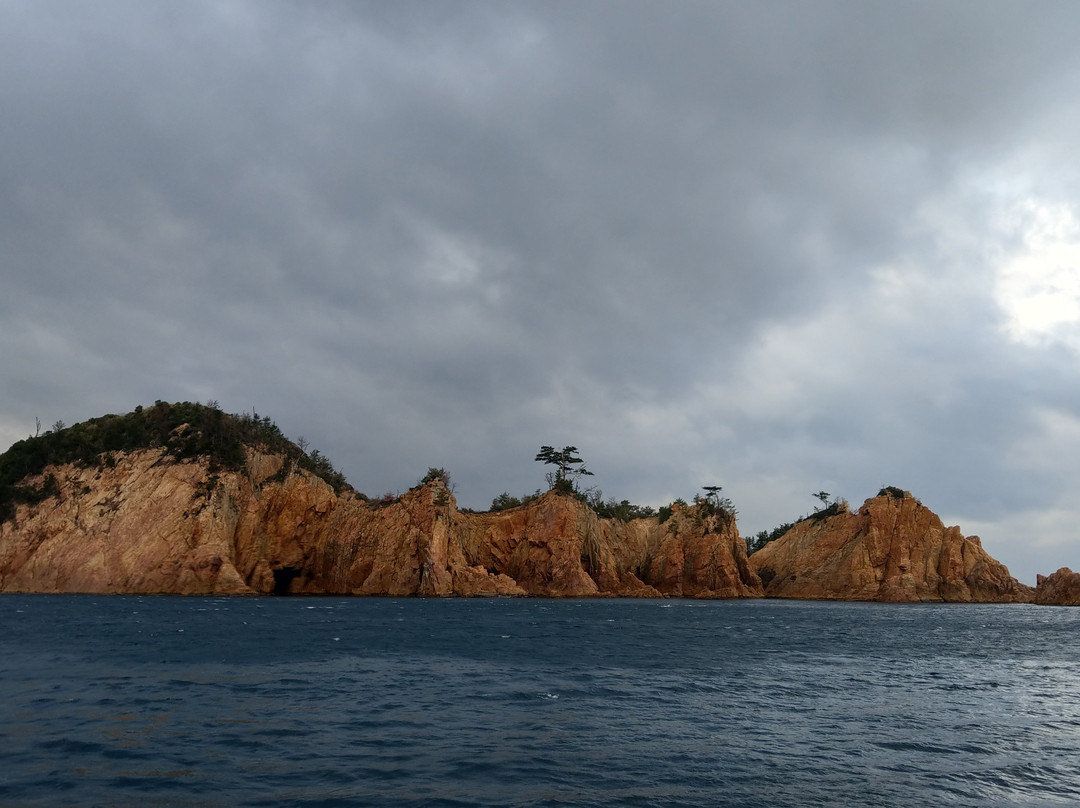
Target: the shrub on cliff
pixel 666 511
pixel 12 495
pixel 894 492
pixel 505 502
pixel 838 507
pixel 763 537
pixel 433 474
pixel 826 510
pixel 712 504
pixel 612 508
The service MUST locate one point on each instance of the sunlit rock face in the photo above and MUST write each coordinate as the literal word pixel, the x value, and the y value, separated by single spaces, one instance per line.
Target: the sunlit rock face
pixel 145 523
pixel 892 549
pixel 148 523
pixel 1060 589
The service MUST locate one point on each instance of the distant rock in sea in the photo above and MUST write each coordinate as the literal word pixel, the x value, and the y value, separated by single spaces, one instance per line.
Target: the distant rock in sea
pixel 893 549
pixel 1060 589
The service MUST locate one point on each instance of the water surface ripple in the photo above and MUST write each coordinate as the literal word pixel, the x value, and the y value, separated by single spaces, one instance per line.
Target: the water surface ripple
pixel 129 701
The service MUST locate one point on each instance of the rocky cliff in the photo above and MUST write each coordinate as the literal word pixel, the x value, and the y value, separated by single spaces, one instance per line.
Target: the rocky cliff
pixel 147 521
pixel 1060 589
pixel 183 498
pixel 892 549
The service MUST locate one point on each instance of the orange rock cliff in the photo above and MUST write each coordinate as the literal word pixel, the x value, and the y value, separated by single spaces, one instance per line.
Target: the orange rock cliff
pixel 149 523
pixel 185 499
pixel 1060 589
pixel 893 549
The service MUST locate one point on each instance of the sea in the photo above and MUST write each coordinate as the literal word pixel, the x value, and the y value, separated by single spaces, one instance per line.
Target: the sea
pixel 302 701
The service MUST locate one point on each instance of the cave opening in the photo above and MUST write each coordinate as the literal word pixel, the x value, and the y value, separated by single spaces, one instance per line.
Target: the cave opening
pixel 283 578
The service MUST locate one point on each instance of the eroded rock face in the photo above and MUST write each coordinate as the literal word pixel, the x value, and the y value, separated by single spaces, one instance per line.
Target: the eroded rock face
pixel 1060 589
pixel 150 524
pixel 893 549
pixel 700 554
pixel 145 524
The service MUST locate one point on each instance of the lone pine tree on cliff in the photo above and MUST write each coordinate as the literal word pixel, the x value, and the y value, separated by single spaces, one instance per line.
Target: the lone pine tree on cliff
pixel 568 466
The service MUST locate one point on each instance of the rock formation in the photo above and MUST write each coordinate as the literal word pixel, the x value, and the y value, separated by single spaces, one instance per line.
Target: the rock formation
pixel 1060 589
pixel 147 522
pixel 184 499
pixel 892 549
pixel 700 554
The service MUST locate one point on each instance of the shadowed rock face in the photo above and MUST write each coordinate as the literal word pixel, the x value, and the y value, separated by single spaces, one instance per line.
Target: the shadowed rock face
pixel 151 524
pixel 892 549
pixel 1060 589
pixel 700 554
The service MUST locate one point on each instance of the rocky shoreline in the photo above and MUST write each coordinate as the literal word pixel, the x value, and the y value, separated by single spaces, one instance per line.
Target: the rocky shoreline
pixel 148 523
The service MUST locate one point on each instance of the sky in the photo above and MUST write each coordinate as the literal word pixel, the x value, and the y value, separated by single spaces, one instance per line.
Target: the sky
pixel 781 247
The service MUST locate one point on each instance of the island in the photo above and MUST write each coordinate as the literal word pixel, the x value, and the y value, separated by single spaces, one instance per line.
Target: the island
pixel 187 499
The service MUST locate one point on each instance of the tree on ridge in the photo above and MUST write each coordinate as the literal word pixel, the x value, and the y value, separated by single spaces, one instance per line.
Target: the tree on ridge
pixel 568 466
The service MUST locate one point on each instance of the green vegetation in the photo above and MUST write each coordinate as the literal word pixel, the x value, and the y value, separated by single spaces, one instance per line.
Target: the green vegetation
pixel 715 505
pixel 433 474
pixel 826 509
pixel 763 537
pixel 666 511
pixel 191 430
pixel 441 475
pixel 835 508
pixel 568 465
pixel 823 511
pixel 570 468
pixel 712 504
pixel 611 508
pixel 185 431
pixel 893 491
pixel 505 501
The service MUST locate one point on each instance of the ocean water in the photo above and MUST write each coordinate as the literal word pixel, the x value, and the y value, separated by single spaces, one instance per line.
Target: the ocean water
pixel 162 701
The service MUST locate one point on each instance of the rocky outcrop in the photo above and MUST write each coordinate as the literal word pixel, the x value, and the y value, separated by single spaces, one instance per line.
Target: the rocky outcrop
pixel 145 522
pixel 700 554
pixel 893 549
pixel 1060 589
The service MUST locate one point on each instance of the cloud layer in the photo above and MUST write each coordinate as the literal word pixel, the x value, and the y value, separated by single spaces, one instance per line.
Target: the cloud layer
pixel 775 246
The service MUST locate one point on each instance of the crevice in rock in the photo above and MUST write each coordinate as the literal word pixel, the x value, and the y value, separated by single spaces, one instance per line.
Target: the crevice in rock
pixel 283 578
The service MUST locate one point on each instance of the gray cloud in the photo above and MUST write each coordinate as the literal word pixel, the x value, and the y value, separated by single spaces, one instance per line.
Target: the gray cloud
pixel 753 244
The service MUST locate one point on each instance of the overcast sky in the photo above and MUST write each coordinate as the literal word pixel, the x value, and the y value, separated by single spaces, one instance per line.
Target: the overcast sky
pixel 775 246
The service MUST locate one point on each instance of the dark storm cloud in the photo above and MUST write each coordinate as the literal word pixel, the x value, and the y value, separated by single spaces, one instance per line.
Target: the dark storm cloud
pixel 745 243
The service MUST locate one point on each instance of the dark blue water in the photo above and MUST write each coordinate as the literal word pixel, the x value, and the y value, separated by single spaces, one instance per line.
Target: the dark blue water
pixel 128 701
